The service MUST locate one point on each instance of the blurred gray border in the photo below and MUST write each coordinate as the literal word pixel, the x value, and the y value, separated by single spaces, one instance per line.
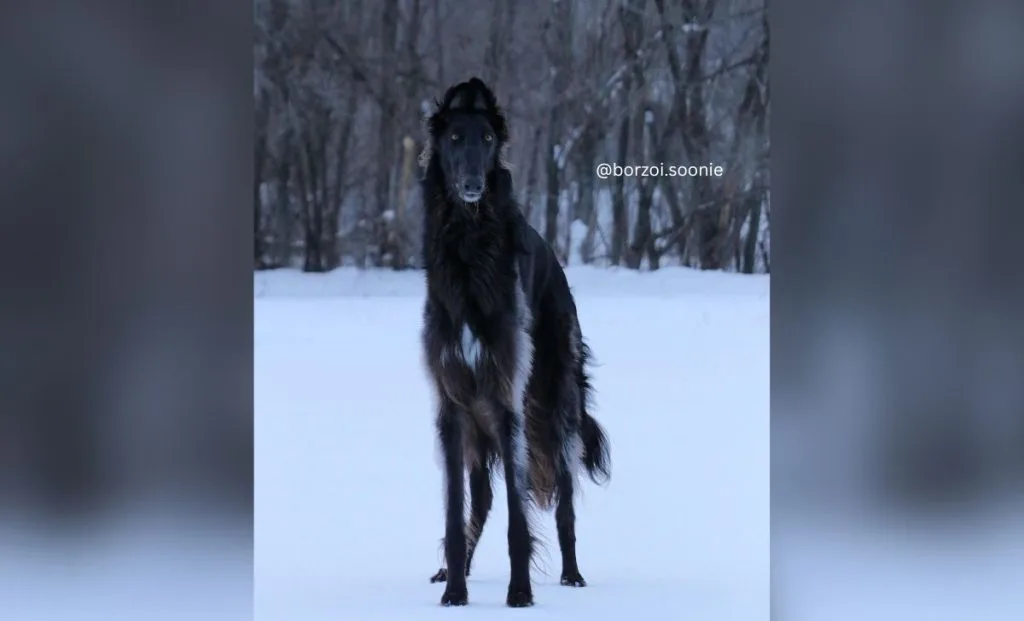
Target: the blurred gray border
pixel 897 345
pixel 126 319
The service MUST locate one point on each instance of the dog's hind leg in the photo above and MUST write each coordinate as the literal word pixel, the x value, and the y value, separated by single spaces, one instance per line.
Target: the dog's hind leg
pixel 565 521
pixel 450 431
pixel 482 496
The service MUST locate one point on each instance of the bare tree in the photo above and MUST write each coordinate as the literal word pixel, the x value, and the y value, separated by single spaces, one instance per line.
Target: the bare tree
pixel 558 46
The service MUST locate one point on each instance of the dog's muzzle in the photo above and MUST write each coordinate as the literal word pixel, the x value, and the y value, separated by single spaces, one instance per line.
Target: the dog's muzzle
pixel 471 190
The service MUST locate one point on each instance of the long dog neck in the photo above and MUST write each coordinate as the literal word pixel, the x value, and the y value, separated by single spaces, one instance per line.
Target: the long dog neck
pixel 468 254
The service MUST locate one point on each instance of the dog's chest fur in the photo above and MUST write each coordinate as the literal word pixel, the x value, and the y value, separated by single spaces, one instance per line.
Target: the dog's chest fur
pixel 476 310
pixel 472 280
pixel 479 307
pixel 469 347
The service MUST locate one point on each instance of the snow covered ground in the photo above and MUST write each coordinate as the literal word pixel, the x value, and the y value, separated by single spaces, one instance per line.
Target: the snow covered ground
pixel 348 512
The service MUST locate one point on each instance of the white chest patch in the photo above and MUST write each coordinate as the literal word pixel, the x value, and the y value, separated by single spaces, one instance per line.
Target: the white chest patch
pixel 470 346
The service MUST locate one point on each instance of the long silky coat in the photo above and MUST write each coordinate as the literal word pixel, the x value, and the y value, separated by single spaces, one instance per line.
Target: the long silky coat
pixel 503 347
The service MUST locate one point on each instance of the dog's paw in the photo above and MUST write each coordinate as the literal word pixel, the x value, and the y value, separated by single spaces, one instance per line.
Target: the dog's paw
pixel 440 576
pixel 573 580
pixel 455 596
pixel 519 597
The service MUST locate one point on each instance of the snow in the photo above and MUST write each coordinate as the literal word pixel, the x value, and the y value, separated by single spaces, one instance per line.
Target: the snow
pixel 577 234
pixel 845 564
pixel 348 498
pixel 160 562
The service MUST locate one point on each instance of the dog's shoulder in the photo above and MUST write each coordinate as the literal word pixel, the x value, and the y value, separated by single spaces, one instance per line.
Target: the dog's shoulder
pixel 535 260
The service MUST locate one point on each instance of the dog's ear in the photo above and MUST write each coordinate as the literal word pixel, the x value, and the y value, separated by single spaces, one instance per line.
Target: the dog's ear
pixel 483 99
pixel 453 98
pixel 470 96
pixel 435 125
pixel 436 121
pixel 469 100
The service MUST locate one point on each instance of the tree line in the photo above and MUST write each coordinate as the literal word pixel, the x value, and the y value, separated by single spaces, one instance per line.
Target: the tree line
pixel 341 90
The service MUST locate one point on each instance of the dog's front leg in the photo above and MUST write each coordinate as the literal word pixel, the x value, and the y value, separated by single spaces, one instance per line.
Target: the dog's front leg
pixel 450 431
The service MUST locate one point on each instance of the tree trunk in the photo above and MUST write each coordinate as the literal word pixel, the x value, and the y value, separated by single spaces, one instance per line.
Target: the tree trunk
pixel 337 195
pixel 750 243
pixel 400 224
pixel 259 165
pixel 386 133
pixel 551 195
pixel 695 134
pixel 439 39
pixel 495 45
pixel 643 239
pixel 284 218
pixel 310 235
pixel 631 20
pixel 586 211
pixel 531 177
pixel 620 221
pixel 561 52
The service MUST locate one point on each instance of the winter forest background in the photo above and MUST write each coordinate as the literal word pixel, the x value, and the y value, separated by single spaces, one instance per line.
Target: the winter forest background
pixel 341 89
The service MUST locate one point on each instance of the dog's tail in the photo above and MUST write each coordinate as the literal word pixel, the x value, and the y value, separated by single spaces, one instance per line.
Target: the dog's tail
pixel 596 453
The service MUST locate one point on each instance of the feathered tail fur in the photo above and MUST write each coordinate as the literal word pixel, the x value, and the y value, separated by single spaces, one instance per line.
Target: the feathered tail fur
pixel 596 454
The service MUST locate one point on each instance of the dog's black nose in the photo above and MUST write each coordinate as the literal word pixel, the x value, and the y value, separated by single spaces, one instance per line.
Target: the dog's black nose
pixel 473 187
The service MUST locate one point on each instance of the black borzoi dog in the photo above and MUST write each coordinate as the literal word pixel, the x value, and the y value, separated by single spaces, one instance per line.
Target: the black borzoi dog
pixel 503 347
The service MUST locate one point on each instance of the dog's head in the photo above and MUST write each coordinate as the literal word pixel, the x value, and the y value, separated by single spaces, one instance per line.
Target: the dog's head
pixel 467 134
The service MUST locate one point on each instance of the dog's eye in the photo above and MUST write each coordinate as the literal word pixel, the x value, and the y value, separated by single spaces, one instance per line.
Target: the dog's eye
pixel 455 137
pixel 488 137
